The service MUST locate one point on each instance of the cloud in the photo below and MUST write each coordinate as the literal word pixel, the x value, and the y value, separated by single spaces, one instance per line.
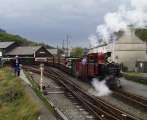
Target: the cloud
pixel 52 19
pixel 20 8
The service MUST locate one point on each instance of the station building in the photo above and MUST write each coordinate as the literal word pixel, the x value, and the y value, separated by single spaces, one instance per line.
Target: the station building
pixel 29 52
pixel 6 47
pixel 128 50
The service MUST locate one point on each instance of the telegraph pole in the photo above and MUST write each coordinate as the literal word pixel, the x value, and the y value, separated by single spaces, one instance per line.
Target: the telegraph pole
pixel 41 77
pixel 67 44
pixel 67 39
pixel 63 45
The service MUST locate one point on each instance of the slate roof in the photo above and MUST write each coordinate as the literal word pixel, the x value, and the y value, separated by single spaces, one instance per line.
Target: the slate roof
pixel 5 44
pixel 129 38
pixel 24 50
pixel 53 51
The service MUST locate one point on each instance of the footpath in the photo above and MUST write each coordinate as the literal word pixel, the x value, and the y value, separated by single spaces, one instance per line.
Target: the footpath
pixel 133 87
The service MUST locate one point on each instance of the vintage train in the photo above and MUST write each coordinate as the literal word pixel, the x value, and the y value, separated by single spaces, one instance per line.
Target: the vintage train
pixel 94 65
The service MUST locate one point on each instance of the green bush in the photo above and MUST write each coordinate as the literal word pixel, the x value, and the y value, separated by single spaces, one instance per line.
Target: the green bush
pixel 136 78
pixel 125 69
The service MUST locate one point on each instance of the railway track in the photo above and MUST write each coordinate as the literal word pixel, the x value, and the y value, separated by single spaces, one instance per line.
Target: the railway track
pixel 129 98
pixel 100 109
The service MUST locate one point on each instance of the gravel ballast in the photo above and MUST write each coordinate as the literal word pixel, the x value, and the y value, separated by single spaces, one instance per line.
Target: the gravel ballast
pixel 71 109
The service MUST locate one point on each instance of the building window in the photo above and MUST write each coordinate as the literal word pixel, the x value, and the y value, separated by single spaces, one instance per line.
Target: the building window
pixel 116 57
pixel 42 52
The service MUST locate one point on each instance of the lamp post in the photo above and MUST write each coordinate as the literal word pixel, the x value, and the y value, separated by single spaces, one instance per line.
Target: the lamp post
pixel 41 76
pixel 113 50
pixel 34 52
pixel 1 59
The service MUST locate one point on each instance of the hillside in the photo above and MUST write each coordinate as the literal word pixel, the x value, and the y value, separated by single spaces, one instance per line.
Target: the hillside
pixel 4 36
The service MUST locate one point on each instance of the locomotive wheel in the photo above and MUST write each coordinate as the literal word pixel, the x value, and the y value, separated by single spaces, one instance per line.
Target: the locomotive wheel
pixel 118 84
pixel 113 82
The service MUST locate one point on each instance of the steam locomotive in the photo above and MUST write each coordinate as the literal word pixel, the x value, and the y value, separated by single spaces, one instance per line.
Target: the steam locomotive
pixel 94 65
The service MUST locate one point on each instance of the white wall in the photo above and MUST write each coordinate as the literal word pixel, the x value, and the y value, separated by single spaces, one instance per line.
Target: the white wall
pixel 129 58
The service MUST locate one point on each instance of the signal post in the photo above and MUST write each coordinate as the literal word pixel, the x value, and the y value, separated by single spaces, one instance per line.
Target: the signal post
pixel 41 76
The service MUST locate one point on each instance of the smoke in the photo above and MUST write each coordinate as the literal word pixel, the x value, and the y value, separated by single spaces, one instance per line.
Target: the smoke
pixel 93 40
pixel 120 20
pixel 100 87
pixel 104 33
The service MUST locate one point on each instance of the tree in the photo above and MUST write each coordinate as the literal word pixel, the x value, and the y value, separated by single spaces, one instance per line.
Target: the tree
pixel 142 34
pixel 77 52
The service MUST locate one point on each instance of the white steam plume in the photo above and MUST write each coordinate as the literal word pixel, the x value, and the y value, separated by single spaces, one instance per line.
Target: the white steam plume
pixel 100 87
pixel 93 40
pixel 103 33
pixel 120 20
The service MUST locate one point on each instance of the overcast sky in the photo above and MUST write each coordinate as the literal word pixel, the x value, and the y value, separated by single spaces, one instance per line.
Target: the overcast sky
pixel 50 20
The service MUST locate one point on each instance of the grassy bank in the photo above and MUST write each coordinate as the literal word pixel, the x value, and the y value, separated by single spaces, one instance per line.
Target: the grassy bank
pixel 136 77
pixel 15 104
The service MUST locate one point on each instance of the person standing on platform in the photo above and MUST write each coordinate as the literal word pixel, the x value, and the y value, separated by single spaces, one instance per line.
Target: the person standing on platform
pixel 17 66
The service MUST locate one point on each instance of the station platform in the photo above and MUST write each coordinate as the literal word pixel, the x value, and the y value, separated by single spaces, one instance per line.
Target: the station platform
pixel 133 87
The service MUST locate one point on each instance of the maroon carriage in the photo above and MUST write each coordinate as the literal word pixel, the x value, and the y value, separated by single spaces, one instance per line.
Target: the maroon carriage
pixel 90 68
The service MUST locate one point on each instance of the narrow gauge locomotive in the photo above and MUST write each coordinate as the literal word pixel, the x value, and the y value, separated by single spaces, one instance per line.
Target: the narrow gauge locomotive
pixel 94 65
